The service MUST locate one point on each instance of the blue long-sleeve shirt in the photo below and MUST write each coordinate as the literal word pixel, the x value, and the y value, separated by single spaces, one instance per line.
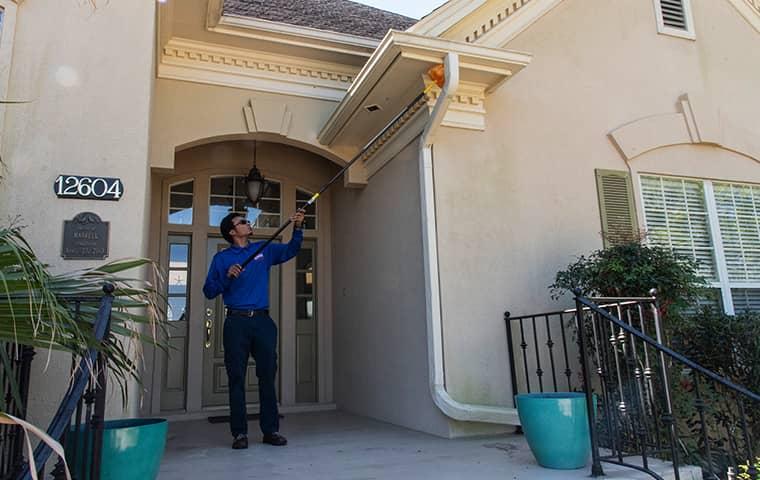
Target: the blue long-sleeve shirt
pixel 250 291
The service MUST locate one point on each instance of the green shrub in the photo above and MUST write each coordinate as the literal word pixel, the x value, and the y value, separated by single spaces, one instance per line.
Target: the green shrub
pixel 729 345
pixel 632 270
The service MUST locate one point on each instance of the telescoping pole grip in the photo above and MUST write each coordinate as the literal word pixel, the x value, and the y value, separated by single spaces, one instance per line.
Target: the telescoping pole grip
pixel 415 105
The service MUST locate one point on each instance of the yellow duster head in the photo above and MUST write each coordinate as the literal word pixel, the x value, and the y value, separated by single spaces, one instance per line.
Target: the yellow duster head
pixel 437 74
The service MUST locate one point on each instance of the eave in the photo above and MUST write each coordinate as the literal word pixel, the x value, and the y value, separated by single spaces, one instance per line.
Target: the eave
pixel 394 75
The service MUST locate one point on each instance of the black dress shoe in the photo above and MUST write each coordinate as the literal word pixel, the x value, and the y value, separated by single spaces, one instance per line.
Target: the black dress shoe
pixel 240 442
pixel 275 439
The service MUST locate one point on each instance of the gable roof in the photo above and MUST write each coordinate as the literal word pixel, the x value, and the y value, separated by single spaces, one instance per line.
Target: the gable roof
pixel 342 16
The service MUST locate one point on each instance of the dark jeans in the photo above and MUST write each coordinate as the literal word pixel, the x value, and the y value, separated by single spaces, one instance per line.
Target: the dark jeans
pixel 257 336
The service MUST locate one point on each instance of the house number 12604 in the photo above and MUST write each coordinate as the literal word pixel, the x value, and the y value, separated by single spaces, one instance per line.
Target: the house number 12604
pixel 92 188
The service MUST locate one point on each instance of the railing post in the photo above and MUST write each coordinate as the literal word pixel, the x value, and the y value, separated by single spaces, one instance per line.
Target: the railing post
pixel 11 436
pixel 668 418
pixel 512 369
pixel 596 465
pixel 98 416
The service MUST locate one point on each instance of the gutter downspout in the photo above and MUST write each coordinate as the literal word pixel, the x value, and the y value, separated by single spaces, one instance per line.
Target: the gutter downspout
pixel 450 407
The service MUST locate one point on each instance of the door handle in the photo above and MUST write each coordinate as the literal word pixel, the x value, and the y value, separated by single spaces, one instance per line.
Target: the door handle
pixel 209 326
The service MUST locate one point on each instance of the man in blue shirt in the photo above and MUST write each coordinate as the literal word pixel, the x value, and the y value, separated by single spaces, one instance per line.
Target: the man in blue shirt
pixel 248 328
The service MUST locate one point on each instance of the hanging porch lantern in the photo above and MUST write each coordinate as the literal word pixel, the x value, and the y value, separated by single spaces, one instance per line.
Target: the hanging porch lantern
pixel 256 184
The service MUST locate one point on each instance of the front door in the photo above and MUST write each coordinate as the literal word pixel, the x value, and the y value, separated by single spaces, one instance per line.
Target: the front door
pixel 215 389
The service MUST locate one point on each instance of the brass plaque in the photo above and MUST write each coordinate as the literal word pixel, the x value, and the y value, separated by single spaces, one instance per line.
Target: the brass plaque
pixel 85 237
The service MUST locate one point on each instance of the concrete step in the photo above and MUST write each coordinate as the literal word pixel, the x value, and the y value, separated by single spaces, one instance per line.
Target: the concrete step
pixel 525 467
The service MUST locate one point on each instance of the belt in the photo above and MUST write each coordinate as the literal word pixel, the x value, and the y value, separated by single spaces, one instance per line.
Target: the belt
pixel 246 313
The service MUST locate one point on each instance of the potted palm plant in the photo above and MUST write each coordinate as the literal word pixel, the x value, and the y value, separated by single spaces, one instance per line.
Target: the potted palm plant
pixel 35 311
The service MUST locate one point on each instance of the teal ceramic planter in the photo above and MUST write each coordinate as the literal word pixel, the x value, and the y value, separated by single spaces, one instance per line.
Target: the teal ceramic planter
pixel 556 428
pixel 132 450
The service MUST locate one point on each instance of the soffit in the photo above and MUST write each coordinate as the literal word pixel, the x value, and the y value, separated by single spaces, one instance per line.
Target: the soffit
pixel 395 75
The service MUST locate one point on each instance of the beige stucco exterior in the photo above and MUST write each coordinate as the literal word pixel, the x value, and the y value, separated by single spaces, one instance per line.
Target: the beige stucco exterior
pixel 178 94
pixel 88 114
pixel 380 337
pixel 524 204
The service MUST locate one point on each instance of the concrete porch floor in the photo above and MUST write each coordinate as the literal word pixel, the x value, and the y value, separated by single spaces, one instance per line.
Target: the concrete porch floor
pixel 336 446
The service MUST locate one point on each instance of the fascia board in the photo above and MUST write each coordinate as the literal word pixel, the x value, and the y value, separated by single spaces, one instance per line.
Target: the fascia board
pixel 750 10
pixel 294 35
pixel 445 17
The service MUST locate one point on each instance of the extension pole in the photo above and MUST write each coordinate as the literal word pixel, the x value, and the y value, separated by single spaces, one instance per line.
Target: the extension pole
pixel 338 175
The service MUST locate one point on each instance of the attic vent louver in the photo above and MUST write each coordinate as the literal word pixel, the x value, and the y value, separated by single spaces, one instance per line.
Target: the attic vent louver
pixel 673 14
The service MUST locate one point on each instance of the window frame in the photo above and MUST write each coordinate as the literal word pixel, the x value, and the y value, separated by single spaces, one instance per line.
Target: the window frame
pixel 309 193
pixel 179 239
pixel 255 225
pixel 723 283
pixel 169 202
pixel 663 29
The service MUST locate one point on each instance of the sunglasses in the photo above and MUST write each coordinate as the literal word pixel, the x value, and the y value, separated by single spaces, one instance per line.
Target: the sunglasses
pixel 245 221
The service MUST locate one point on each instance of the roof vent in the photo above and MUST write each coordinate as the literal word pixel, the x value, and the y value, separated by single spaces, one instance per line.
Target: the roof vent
pixel 372 108
pixel 673 14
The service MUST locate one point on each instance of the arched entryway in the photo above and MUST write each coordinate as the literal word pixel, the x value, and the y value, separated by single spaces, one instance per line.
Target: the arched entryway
pixel 187 204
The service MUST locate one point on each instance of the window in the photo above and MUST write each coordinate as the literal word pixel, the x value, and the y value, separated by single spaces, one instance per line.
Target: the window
pixel 674 17
pixel 228 194
pixel 177 281
pixel 310 218
pixel 715 223
pixel 181 203
pixel 306 325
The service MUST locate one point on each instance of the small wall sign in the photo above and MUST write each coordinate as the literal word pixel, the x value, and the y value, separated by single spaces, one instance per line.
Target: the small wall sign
pixel 90 188
pixel 85 237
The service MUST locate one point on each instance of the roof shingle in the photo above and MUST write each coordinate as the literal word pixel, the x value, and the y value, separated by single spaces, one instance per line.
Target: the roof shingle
pixel 342 16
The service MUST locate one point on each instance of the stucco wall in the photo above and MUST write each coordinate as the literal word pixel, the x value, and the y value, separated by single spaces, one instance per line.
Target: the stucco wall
pixel 89 76
pixel 186 112
pixel 380 340
pixel 517 202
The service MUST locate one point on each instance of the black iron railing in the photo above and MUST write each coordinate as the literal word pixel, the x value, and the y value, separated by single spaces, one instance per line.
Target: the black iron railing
pixel 655 402
pixel 656 410
pixel 14 381
pixel 543 354
pixel 79 421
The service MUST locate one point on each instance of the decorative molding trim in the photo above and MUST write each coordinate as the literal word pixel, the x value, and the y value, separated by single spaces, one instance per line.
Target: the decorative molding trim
pixel 267 116
pixel 397 125
pixel 397 137
pixel 750 10
pixel 467 108
pixel 504 12
pixel 755 4
pixel 184 59
pixel 698 122
pixel 510 26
